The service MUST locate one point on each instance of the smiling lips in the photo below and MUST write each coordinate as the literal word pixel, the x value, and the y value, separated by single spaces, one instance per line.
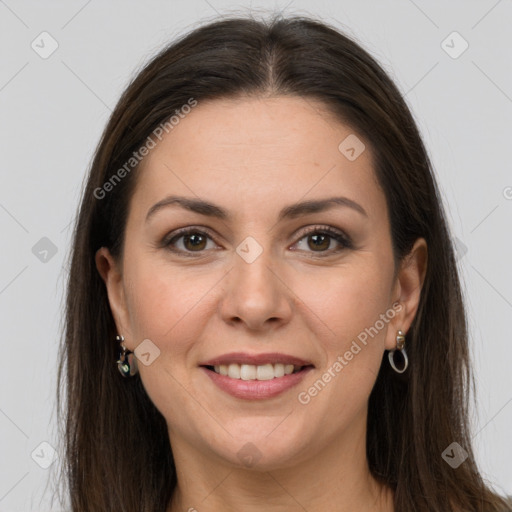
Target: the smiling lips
pixel 256 376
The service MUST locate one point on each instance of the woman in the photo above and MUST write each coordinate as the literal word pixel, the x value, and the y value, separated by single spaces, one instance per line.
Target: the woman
pixel 263 307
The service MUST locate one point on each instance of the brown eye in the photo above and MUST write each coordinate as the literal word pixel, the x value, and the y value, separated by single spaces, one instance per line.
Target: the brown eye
pixel 194 242
pixel 188 241
pixel 319 241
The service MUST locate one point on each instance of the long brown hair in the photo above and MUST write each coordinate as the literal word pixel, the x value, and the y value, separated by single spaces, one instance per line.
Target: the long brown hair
pixel 117 455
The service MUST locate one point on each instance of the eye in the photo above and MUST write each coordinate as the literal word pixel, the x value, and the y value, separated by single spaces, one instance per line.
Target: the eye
pixel 320 239
pixel 194 240
pixel 191 240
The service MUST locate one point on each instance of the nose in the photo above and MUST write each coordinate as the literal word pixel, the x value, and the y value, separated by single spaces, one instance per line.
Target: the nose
pixel 255 295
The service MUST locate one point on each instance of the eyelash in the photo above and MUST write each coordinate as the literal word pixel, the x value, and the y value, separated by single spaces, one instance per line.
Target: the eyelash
pixel 345 241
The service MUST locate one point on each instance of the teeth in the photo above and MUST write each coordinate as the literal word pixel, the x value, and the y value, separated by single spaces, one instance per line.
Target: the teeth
pixel 234 371
pixel 265 372
pixel 248 372
pixel 252 372
pixel 279 370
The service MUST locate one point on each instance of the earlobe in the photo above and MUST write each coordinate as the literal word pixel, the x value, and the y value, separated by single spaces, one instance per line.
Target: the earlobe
pixel 410 279
pixel 109 271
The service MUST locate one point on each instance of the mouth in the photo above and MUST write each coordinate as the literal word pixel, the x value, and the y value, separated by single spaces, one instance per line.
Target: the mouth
pixel 256 372
pixel 256 377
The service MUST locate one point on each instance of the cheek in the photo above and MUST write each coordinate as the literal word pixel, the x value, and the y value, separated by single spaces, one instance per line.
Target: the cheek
pixel 348 306
pixel 355 313
pixel 162 300
pixel 168 307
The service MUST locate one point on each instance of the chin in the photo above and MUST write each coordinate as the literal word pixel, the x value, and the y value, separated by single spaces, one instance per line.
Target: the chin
pixel 261 449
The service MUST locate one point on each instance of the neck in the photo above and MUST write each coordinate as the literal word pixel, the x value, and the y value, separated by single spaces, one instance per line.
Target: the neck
pixel 336 478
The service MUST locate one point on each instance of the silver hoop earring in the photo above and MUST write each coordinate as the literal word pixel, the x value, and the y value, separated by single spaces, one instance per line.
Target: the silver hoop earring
pixel 126 364
pixel 400 346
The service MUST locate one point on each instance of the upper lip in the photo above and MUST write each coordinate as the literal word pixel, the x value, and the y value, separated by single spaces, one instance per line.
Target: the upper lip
pixel 256 359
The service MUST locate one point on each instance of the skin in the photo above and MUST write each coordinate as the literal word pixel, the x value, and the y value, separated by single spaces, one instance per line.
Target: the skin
pixel 253 156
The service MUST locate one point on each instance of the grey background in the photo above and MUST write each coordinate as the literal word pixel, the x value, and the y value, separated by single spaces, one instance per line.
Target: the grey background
pixel 52 112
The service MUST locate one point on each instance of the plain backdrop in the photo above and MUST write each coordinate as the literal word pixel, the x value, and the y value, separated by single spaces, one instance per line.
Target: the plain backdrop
pixel 53 109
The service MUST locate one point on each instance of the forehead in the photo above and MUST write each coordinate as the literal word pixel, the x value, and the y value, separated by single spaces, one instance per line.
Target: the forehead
pixel 266 151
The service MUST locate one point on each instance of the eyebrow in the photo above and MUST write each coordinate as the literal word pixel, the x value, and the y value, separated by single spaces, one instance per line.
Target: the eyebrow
pixel 288 212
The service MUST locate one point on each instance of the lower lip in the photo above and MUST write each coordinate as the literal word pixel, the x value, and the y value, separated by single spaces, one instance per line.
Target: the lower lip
pixel 256 389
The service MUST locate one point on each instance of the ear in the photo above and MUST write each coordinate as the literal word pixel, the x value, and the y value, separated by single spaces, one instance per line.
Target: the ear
pixel 111 274
pixel 407 290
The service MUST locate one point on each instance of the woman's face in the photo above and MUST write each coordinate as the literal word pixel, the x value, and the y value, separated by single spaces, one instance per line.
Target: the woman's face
pixel 258 285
